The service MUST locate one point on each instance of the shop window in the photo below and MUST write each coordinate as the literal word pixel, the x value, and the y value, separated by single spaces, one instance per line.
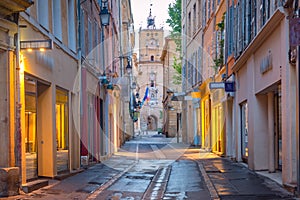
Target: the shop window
pixel 30 116
pixel 244 131
pixel 62 116
pixel 31 128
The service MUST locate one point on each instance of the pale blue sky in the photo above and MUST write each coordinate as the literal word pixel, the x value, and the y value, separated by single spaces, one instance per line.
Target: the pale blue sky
pixel 141 8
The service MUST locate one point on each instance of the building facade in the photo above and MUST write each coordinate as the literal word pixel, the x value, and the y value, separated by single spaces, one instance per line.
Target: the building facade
pixel 10 137
pixel 196 69
pixel 172 85
pixel 249 82
pixel 66 115
pixel 265 100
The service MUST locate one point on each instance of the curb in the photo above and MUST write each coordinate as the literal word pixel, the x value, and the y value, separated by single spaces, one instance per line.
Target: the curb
pixel 212 190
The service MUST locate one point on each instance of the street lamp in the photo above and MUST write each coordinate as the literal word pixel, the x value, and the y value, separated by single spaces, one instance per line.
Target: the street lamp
pixel 128 67
pixel 104 18
pixel 132 86
pixel 104 14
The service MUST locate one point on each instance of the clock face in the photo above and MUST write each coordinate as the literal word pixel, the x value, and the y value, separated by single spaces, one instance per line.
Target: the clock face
pixel 152 43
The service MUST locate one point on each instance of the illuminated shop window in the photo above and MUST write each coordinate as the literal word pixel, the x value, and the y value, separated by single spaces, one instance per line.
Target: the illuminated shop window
pixel 62 120
pixel 30 116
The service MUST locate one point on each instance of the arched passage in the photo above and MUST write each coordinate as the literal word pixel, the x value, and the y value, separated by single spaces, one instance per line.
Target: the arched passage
pixel 152 123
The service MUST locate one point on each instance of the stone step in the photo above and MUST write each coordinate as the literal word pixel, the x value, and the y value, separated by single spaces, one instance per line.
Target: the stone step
pixel 35 185
pixel 67 174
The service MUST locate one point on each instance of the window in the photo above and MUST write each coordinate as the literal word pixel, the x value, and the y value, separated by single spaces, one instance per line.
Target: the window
pixel 204 13
pixel 195 68
pixel 96 44
pixel 152 58
pixel 265 11
pixel 56 14
pixel 194 19
pixel 43 14
pixel 253 20
pixel 30 115
pixel 230 30
pixel 71 26
pixel 31 127
pixel 199 14
pixel 209 8
pixel 62 133
pixel 90 36
pixel 184 77
pixel 199 78
pixel 82 32
pixel 62 130
pixel 189 24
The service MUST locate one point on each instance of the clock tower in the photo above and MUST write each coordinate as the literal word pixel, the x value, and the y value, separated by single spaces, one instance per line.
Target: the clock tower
pixel 149 75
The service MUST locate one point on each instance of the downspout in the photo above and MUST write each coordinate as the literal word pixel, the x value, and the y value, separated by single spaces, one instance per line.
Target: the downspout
pixel 226 39
pixel 120 39
pixel 298 117
pixel 121 67
pixel 18 131
pixel 79 55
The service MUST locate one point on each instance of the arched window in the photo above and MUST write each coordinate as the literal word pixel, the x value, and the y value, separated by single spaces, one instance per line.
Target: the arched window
pixel 152 58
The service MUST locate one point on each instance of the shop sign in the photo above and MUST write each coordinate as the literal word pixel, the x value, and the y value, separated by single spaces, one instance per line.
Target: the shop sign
pixel 229 86
pixel 196 95
pixel 216 85
pixel 36 44
pixel 294 32
pixel 266 63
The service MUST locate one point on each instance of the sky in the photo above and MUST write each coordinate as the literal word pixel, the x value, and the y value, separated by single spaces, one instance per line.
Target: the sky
pixel 141 9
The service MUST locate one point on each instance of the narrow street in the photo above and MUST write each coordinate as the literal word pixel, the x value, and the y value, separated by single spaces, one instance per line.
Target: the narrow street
pixel 154 167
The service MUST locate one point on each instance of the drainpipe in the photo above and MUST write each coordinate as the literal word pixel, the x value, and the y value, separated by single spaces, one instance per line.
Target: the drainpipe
pixel 79 55
pixel 18 131
pixel 226 39
pixel 121 66
pixel 297 128
pixel 120 38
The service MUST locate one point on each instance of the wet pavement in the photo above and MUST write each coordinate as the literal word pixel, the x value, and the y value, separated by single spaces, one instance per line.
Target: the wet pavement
pixel 155 167
pixel 235 181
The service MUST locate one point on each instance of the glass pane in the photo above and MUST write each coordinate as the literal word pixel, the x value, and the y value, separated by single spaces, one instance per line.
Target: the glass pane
pixel 244 117
pixel 30 129
pixel 30 132
pixel 62 134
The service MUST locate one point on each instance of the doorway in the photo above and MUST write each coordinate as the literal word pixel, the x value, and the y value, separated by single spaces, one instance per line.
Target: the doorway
pixel 244 131
pixel 278 129
pixel 33 89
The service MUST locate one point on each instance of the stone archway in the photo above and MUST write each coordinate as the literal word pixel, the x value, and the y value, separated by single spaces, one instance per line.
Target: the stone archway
pixel 152 123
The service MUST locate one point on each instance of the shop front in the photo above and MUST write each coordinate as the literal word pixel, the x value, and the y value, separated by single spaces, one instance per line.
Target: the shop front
pixel 218 121
pixel 265 102
pixel 205 104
